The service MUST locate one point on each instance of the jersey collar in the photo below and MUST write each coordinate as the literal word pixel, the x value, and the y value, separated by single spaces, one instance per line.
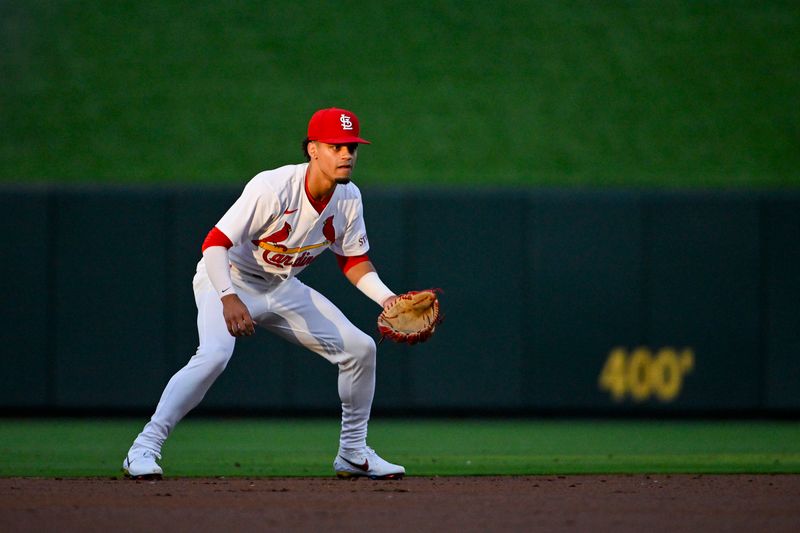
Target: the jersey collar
pixel 318 205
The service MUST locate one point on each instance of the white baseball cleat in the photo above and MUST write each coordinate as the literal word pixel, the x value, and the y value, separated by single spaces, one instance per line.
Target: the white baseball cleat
pixel 140 463
pixel 365 463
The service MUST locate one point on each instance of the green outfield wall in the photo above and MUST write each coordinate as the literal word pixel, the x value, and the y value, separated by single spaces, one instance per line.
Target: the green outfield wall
pixel 584 301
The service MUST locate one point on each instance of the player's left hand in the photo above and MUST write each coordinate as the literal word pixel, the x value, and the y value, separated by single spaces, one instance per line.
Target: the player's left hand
pixel 388 301
pixel 411 317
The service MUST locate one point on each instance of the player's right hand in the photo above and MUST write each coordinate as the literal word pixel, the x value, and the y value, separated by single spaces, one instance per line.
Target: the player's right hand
pixel 237 317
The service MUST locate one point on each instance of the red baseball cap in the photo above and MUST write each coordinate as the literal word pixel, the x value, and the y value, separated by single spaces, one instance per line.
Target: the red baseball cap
pixel 334 126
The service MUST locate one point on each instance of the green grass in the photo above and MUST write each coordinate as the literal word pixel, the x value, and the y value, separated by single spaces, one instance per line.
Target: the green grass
pixel 692 93
pixel 249 447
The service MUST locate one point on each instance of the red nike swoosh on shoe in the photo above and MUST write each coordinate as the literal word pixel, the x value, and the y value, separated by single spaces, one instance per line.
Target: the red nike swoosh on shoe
pixel 289 211
pixel 363 467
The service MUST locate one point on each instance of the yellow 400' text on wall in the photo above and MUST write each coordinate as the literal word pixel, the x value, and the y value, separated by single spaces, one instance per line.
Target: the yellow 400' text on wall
pixel 643 375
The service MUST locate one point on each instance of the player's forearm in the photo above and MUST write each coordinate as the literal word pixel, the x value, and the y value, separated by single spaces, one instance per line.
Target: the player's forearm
pixel 355 273
pixel 366 279
pixel 218 269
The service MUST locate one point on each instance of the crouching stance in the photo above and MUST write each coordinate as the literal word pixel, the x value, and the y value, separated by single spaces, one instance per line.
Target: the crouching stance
pixel 284 219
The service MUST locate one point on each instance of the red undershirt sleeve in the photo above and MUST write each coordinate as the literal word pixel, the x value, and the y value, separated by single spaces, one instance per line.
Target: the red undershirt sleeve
pixel 216 238
pixel 348 262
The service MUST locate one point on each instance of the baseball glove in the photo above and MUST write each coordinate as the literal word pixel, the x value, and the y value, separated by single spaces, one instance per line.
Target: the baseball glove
pixel 411 318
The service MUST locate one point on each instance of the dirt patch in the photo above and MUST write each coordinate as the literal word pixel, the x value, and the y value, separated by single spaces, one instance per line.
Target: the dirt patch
pixel 546 503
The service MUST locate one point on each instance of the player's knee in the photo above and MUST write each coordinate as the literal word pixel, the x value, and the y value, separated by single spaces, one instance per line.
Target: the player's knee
pixel 219 362
pixel 213 358
pixel 362 348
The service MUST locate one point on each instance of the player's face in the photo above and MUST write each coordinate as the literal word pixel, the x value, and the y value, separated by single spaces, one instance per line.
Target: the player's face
pixel 336 161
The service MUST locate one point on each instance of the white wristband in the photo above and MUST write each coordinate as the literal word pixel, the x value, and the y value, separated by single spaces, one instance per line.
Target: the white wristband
pixel 219 270
pixel 372 286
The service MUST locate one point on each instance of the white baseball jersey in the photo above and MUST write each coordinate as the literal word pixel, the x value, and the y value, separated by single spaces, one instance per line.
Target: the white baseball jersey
pixel 274 227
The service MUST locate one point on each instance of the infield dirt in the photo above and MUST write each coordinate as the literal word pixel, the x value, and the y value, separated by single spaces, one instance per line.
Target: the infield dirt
pixel 530 503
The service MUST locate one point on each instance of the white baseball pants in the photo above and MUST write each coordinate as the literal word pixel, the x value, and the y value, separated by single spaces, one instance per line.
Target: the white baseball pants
pixel 297 313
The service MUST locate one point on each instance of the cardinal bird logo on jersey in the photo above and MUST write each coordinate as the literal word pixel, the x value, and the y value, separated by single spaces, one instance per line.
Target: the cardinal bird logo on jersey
pixel 327 229
pixel 277 237
pixel 279 255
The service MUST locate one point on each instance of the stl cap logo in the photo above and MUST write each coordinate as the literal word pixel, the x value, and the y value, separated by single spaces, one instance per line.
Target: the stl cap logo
pixel 347 124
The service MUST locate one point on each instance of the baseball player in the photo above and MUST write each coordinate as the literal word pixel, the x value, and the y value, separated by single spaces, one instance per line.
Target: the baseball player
pixel 284 219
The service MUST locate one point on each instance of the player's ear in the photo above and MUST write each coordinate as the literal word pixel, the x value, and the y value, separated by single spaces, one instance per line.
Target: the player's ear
pixel 312 149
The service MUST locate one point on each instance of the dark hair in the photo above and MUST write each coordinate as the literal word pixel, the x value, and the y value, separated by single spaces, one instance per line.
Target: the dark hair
pixel 305 148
